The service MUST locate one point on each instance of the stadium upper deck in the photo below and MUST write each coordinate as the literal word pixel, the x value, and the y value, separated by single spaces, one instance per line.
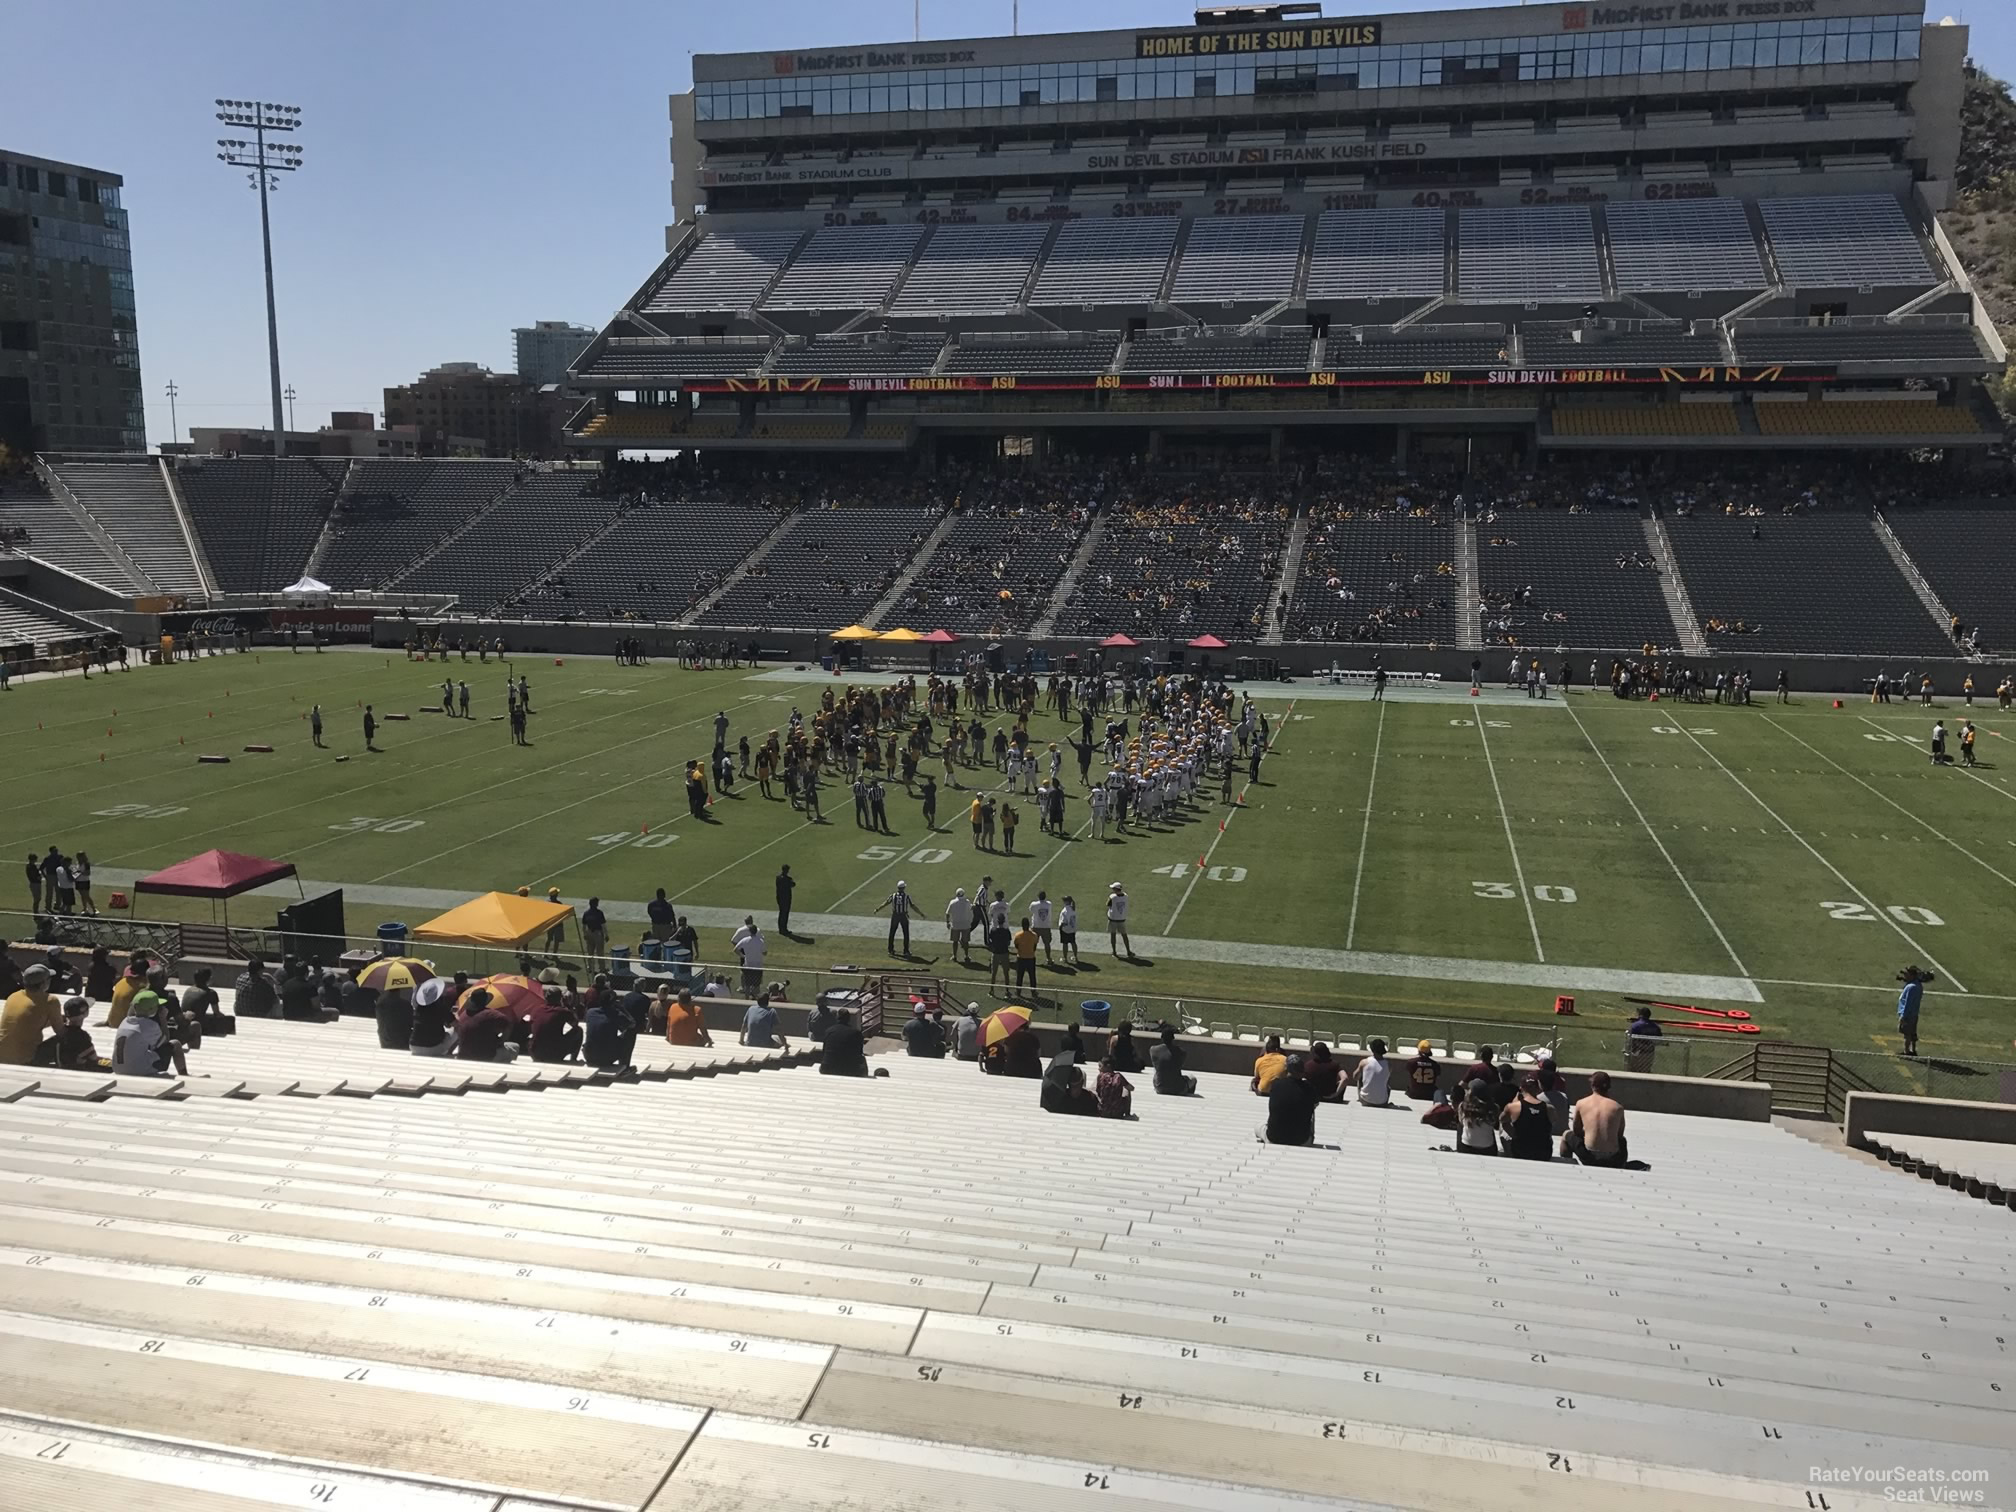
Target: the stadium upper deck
pixel 1270 220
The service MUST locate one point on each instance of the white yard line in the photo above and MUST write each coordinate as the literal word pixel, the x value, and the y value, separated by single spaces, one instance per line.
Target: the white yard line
pixel 903 851
pixel 1365 829
pixel 1685 987
pixel 1525 894
pixel 1225 823
pixel 1653 836
pixel 1926 825
pixel 1973 997
pixel 1839 875
pixel 1994 787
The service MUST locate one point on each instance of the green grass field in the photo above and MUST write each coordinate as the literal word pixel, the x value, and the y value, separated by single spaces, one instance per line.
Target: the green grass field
pixel 1434 858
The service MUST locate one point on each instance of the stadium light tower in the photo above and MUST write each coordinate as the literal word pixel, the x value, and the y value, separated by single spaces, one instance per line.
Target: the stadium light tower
pixel 267 161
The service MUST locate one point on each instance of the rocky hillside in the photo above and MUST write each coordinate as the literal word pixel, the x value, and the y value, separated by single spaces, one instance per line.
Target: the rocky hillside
pixel 1982 223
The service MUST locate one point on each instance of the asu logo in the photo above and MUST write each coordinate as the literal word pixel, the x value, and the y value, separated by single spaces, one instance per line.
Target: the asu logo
pixel 1575 18
pixel 782 63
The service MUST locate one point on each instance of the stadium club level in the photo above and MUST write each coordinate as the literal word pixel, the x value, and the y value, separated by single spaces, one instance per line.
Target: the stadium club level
pixel 1413 378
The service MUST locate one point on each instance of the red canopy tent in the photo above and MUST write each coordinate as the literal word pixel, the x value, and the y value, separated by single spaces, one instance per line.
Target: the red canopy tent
pixel 940 637
pixel 217 875
pixel 1119 640
pixel 1206 643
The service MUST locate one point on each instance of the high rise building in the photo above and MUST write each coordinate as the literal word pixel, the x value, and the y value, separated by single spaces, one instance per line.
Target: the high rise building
pixel 461 406
pixel 546 347
pixel 69 344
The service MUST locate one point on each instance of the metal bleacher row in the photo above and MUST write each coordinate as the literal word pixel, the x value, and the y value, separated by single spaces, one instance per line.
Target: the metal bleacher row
pixel 747 1291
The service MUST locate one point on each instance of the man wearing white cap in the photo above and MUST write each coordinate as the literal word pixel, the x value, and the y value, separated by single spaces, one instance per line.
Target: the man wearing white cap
pixel 1116 920
pixel 898 904
pixel 959 925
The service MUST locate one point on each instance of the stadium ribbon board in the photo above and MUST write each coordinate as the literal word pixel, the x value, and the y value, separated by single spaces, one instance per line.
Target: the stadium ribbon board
pixel 1397 378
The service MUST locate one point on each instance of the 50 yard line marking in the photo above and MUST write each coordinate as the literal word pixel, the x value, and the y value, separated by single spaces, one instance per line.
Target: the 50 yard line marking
pixel 1365 830
pixel 1741 969
pixel 1525 893
pixel 1839 875
pixel 1205 860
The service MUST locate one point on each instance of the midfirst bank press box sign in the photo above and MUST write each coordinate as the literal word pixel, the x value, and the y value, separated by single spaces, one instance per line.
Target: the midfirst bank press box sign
pixel 1216 43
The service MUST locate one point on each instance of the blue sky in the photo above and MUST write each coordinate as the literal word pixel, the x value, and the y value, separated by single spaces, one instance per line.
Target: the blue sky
pixel 471 165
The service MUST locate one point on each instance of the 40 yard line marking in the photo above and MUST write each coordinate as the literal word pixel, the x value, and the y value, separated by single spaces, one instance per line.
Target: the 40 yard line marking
pixel 1205 860
pixel 1365 830
pixel 1681 877
pixel 1525 893
pixel 1839 875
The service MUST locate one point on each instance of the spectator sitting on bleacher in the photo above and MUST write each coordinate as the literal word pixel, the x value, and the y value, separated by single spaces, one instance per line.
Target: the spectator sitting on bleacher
pixel 25 1014
pixel 844 1052
pixel 1477 1119
pixel 923 1036
pixel 1166 1057
pixel 1595 1134
pixel 100 975
pixel 255 996
pixel 298 1000
pixel 1064 1091
pixel 556 1029
pixel 131 980
pixel 202 1007
pixel 610 1036
pixel 483 1031
pixel 1270 1067
pixel 1121 1049
pixel 432 1027
pixel 685 1024
pixel 142 1047
pixel 1527 1126
pixel 1020 1054
pixel 1291 1106
pixel 70 1048
pixel 1114 1093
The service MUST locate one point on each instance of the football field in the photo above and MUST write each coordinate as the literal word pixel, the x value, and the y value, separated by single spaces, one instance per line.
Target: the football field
pixel 1433 858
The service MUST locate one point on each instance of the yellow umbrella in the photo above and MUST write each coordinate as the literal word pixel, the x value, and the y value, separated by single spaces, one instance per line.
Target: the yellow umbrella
pixel 854 632
pixel 900 635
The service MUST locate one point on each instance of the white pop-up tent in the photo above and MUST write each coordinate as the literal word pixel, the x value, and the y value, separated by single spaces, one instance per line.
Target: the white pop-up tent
pixel 306 587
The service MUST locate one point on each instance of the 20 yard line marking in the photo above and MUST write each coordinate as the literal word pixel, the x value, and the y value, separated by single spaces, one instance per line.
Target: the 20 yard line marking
pixel 1735 960
pixel 1525 893
pixel 1211 850
pixel 1365 830
pixel 1839 875
pixel 1929 829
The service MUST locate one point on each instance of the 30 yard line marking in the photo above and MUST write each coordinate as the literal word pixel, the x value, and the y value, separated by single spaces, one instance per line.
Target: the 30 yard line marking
pixel 1205 860
pixel 1680 876
pixel 1839 875
pixel 1525 893
pixel 1365 829
pixel 1924 824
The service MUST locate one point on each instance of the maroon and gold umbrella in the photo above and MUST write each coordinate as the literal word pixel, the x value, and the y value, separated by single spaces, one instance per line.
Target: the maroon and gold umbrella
pixel 1001 1023
pixel 395 974
pixel 516 995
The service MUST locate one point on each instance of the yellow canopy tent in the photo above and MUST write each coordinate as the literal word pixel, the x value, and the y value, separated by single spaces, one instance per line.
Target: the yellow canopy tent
pixel 495 919
pixel 854 632
pixel 900 635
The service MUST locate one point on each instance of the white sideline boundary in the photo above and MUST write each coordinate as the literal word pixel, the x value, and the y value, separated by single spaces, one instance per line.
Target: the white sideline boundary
pixel 1365 830
pixel 1545 978
pixel 1840 876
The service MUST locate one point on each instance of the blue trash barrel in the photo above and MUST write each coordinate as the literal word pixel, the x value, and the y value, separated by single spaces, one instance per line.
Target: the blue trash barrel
pixel 619 960
pixel 1094 1012
pixel 391 938
pixel 652 950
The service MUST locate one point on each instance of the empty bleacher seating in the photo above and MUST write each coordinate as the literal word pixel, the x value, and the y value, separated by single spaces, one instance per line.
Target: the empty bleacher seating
pixel 655 563
pixel 1218 349
pixel 892 353
pixel 1638 419
pixel 392 511
pixel 697 1294
pixel 1818 582
pixel 727 270
pixel 845 268
pixel 1545 252
pixel 1643 345
pixel 635 358
pixel 971 270
pixel 1416 347
pixel 51 533
pixel 829 569
pixel 984 353
pixel 1103 261
pixel 1768 341
pixel 258 518
pixel 23 622
pixel 540 519
pixel 1665 247
pixel 1379 254
pixel 1968 554
pixel 1844 240
pixel 1376 575
pixel 130 502
pixel 1865 417
pixel 1556 579
pixel 1240 257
